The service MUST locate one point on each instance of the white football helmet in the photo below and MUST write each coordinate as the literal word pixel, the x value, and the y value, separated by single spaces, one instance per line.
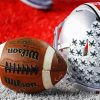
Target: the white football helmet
pixel 79 44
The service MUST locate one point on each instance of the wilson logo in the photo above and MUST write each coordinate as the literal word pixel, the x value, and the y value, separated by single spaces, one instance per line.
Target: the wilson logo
pixel 19 83
pixel 24 53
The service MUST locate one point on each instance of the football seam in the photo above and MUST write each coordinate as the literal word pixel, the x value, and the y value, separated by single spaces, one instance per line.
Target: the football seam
pixel 21 69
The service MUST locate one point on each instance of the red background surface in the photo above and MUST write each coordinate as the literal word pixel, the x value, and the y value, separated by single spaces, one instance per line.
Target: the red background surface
pixel 19 20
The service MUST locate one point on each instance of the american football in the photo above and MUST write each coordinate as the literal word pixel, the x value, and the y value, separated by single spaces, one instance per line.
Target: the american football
pixel 30 65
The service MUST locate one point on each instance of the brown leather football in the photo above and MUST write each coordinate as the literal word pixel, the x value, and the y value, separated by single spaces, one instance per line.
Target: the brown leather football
pixel 30 65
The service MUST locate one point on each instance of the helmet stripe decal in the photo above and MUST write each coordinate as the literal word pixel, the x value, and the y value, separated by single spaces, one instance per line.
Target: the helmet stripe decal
pixel 46 77
pixel 86 49
pixel 94 8
pixel 1 48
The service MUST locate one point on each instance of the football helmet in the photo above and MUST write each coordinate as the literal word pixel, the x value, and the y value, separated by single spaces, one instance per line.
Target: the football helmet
pixel 79 44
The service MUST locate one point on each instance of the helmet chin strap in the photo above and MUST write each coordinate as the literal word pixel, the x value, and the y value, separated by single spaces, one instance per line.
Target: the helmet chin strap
pixel 57 44
pixel 63 46
pixel 56 33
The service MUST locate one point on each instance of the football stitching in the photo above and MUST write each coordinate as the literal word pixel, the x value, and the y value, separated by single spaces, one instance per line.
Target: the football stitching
pixel 13 68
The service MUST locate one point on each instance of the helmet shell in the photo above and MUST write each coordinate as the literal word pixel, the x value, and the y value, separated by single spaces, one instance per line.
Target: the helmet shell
pixel 78 43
